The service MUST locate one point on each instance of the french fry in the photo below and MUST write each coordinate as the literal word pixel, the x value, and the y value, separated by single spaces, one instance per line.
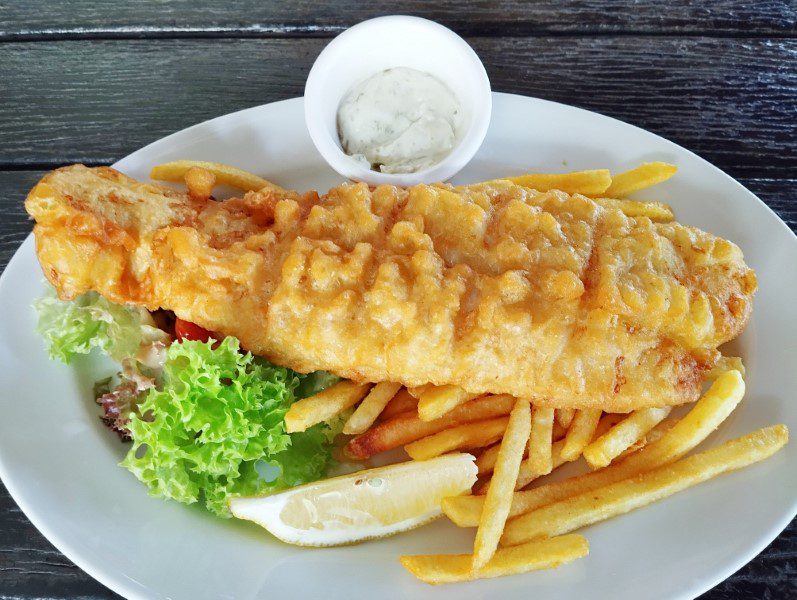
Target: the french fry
pixel 607 421
pixel 559 432
pixel 525 475
pixel 725 363
pixel 651 436
pixel 225 175
pixel 580 433
pixel 499 496
pixel 408 427
pixel 486 461
pixel 589 183
pixel 603 450
pixel 624 496
pixel 435 401
pixel 307 412
pixel 419 389
pixel 370 408
pixel 711 410
pixel 643 176
pixel 540 441
pixel 657 212
pixel 482 483
pixel 200 183
pixel 462 437
pixel 451 568
pixel 564 416
pixel 402 402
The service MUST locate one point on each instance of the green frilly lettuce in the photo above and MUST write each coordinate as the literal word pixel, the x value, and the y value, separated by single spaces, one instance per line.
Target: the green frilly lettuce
pixel 90 321
pixel 214 428
pixel 210 425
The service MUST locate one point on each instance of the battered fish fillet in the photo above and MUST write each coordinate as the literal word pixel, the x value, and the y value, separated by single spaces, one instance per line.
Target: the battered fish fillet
pixel 492 287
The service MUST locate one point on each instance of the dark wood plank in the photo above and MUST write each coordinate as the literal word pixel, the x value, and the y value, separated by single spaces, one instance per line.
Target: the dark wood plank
pixel 780 195
pixel 14 223
pixel 736 108
pixel 145 18
pixel 731 100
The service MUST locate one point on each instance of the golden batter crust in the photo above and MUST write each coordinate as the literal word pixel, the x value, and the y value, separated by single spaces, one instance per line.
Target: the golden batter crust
pixel 492 287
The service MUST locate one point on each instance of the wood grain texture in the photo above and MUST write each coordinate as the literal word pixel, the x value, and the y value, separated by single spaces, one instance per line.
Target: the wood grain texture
pixel 96 101
pixel 14 221
pixel 254 18
pixel 85 82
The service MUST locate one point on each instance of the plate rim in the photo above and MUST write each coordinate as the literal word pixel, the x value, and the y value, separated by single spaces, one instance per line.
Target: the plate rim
pixel 129 588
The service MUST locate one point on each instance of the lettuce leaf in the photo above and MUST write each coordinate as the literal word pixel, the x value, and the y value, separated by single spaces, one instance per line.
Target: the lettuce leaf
pixel 214 428
pixel 120 394
pixel 90 321
pixel 206 421
pixel 117 403
pixel 312 383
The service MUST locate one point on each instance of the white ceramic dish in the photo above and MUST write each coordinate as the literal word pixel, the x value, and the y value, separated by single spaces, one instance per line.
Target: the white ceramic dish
pixel 383 43
pixel 59 463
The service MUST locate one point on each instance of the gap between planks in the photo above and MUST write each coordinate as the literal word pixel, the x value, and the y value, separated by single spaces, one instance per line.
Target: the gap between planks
pixel 277 31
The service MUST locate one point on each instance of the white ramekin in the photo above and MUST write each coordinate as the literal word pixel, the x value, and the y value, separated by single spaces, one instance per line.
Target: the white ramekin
pixel 396 41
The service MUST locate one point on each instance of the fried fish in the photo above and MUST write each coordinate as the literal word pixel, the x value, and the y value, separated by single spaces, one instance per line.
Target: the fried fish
pixel 492 287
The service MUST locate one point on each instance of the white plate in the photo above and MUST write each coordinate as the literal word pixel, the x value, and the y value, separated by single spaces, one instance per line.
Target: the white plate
pixel 59 463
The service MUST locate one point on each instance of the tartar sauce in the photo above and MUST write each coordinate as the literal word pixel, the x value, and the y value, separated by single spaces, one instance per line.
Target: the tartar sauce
pixel 399 121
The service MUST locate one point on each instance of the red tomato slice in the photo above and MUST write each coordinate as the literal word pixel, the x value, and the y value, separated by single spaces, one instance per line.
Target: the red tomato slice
pixel 186 330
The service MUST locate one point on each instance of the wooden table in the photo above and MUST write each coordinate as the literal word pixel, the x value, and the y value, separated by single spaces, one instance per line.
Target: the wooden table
pixel 90 81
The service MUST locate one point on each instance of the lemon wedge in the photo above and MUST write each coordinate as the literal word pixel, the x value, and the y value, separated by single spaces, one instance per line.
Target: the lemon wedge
pixel 361 506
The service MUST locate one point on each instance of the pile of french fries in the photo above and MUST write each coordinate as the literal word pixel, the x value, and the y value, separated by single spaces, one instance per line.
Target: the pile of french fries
pixel 633 459
pixel 636 459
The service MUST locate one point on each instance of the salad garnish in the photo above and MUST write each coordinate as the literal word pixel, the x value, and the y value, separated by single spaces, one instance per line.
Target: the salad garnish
pixel 205 419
